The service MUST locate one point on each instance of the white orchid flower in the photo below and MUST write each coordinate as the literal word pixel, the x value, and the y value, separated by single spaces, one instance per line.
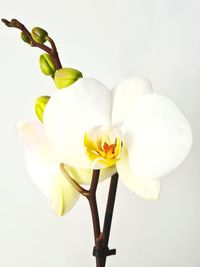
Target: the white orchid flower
pixel 130 130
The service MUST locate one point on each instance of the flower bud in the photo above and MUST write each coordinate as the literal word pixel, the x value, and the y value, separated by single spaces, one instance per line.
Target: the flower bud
pixel 39 35
pixel 24 38
pixel 46 64
pixel 66 76
pixel 40 105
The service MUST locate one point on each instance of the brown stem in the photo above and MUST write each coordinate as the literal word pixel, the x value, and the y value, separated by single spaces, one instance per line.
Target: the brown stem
pixel 101 250
pixel 14 23
pixel 76 185
pixel 93 204
pixel 101 239
pixel 109 213
pixel 98 237
pixel 54 54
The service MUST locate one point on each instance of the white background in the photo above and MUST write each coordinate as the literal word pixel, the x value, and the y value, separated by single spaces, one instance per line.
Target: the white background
pixel 108 40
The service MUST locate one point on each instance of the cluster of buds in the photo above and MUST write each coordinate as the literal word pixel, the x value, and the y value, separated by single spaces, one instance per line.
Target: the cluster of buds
pixel 62 77
pixel 38 34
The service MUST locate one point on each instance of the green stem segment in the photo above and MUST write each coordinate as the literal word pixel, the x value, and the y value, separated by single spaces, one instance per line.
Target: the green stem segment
pixel 101 238
pixel 14 23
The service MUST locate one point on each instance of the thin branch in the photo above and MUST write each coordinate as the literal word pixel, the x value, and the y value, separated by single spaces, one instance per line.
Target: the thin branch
pixel 76 185
pixel 110 207
pixel 98 237
pixel 14 23
pixel 53 45
pixel 109 213
pixel 93 204
pixel 54 52
pixel 94 183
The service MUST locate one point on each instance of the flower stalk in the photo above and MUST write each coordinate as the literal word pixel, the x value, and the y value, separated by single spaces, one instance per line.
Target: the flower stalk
pixel 52 51
pixel 101 238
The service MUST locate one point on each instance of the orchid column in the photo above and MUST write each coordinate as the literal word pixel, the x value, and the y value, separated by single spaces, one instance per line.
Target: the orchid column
pixel 87 133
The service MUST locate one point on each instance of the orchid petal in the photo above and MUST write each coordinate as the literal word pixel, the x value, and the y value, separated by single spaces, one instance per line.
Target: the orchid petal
pixel 158 137
pixel 63 196
pixel 125 96
pixel 73 111
pixel 148 189
pixel 43 168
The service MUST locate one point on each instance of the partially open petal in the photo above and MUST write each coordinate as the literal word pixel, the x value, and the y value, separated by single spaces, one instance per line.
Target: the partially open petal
pixel 63 195
pixel 84 176
pixel 73 111
pixel 148 189
pixel 125 96
pixel 43 168
pixel 158 137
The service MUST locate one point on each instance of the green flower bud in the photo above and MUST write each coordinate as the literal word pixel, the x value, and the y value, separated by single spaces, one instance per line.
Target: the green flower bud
pixel 46 64
pixel 39 35
pixel 66 76
pixel 24 38
pixel 40 105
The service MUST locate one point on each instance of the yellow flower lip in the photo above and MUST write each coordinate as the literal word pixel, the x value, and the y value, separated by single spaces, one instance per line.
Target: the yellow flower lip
pixel 102 148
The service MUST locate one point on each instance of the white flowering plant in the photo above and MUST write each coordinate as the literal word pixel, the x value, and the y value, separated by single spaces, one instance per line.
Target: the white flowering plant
pixel 86 133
